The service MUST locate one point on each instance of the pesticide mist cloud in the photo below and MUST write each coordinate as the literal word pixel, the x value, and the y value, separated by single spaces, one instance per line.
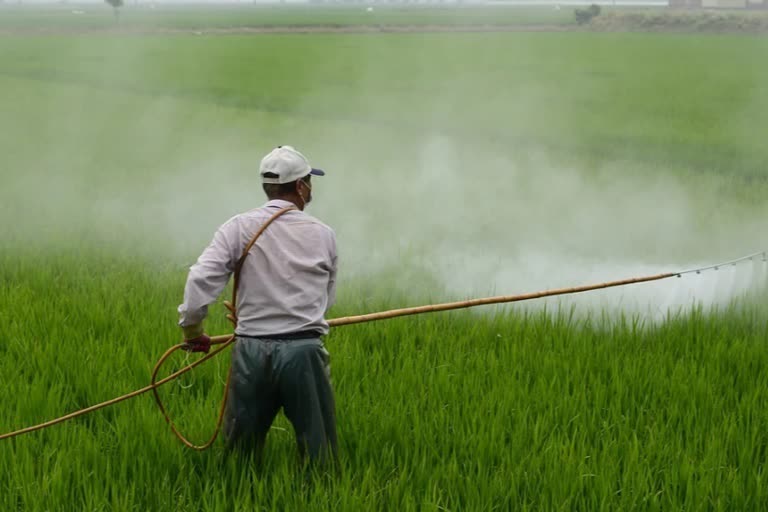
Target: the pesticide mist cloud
pixel 532 225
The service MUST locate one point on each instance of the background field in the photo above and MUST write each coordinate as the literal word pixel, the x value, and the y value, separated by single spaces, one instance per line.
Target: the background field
pixel 458 164
pixel 100 16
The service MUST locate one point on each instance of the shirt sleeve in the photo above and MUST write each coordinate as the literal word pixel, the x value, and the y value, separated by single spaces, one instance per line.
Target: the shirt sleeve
pixel 332 277
pixel 208 276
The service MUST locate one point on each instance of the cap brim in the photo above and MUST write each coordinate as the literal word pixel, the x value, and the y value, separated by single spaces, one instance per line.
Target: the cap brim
pixel 317 172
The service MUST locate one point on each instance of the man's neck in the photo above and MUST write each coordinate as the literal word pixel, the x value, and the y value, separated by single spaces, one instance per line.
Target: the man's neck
pixel 295 199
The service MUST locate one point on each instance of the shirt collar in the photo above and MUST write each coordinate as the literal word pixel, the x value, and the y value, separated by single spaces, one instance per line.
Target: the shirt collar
pixel 279 203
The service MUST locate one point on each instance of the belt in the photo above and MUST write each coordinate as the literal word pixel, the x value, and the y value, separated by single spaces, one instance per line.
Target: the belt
pixel 300 335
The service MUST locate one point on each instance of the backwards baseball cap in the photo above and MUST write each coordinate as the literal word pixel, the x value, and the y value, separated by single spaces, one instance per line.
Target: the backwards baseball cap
pixel 284 165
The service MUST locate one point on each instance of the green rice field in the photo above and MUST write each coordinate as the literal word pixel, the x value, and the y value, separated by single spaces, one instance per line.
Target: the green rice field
pixel 458 165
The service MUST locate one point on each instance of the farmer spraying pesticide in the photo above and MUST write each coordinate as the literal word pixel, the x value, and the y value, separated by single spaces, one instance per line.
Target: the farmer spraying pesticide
pixel 285 283
pixel 283 264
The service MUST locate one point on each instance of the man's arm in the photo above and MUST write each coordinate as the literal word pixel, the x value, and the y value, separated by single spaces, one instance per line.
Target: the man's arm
pixel 206 280
pixel 332 277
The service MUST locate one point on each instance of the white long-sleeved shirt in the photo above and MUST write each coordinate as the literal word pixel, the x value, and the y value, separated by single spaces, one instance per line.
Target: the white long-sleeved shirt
pixel 288 280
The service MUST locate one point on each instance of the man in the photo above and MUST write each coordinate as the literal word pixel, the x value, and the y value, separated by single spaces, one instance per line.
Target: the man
pixel 287 284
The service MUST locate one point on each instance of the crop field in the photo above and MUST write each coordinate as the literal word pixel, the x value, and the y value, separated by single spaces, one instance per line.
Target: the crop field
pixel 147 16
pixel 458 165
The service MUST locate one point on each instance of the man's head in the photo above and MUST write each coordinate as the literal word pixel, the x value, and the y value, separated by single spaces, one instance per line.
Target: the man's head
pixel 286 174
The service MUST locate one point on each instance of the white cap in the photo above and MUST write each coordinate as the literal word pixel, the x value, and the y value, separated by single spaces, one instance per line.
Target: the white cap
pixel 284 165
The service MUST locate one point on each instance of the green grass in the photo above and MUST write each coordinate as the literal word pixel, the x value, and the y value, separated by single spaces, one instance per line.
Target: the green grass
pixel 121 155
pixel 450 411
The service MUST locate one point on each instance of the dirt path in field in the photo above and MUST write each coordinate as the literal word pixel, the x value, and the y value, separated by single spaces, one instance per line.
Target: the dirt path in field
pixel 641 21
pixel 294 29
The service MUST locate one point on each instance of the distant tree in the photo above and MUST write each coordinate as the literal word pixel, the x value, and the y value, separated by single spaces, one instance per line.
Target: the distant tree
pixel 116 5
pixel 584 16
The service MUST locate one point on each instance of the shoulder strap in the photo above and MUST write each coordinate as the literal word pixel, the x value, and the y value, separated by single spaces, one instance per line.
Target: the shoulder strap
pixel 241 261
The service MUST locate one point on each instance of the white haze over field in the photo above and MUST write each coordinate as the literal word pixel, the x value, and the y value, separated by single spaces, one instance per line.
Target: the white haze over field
pixel 431 213
pixel 543 227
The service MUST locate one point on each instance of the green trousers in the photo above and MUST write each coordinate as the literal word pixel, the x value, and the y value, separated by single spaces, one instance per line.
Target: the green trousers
pixel 268 374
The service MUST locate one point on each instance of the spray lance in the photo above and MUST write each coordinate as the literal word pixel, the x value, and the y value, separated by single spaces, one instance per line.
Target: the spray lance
pixel 224 341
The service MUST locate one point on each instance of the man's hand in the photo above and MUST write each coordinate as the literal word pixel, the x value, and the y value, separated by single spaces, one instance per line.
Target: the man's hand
pixel 195 339
pixel 200 344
